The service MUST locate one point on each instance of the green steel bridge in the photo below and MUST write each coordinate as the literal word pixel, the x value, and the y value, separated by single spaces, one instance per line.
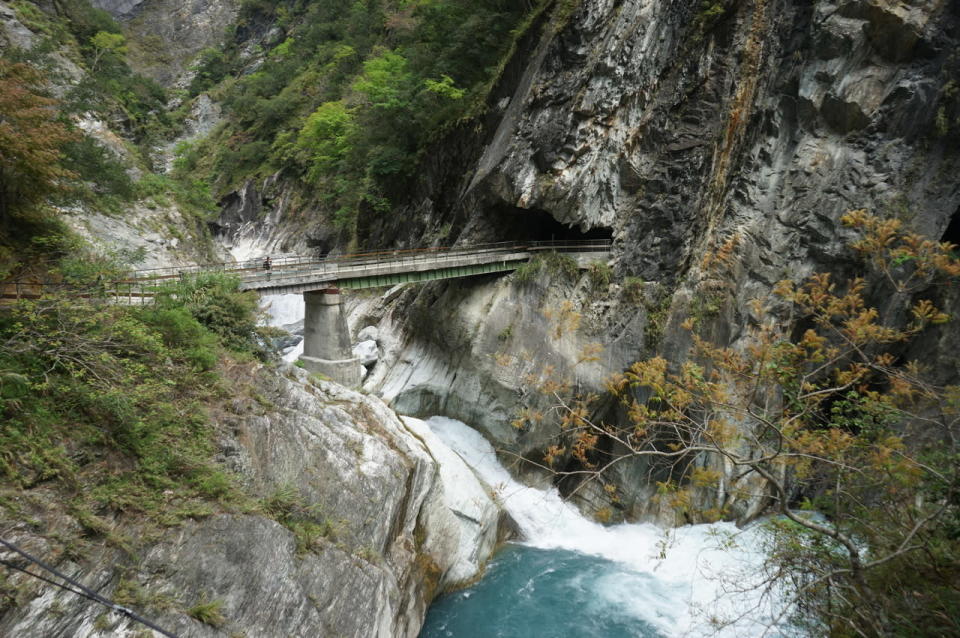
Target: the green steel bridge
pixel 300 274
pixel 290 275
pixel 326 339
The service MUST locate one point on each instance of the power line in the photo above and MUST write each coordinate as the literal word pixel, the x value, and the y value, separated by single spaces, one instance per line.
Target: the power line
pixel 76 588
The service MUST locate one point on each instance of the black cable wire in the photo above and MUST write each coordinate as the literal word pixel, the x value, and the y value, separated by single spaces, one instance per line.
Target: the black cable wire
pixel 77 588
pixel 42 577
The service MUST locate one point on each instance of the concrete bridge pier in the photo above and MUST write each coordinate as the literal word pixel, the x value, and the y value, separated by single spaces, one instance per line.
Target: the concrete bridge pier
pixel 326 341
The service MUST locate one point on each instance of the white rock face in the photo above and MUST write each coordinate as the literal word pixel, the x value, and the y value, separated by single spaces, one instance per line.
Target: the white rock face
pixel 476 515
pixel 389 499
pixel 477 364
pixel 138 233
pixel 367 352
pixel 370 333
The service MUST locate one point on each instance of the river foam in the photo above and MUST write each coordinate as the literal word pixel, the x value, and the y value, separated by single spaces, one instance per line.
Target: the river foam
pixel 689 581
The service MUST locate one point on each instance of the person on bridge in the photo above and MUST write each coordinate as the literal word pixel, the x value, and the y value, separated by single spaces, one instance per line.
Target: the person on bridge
pixel 267 263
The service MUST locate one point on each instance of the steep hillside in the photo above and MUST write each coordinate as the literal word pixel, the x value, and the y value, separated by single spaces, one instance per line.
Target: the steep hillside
pixel 719 145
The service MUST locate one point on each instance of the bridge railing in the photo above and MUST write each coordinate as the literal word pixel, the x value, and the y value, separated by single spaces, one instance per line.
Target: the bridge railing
pixel 140 286
pixel 291 265
pixel 129 292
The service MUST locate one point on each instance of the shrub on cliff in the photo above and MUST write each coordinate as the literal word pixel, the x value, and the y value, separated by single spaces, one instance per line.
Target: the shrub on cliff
pixel 217 303
pixel 829 417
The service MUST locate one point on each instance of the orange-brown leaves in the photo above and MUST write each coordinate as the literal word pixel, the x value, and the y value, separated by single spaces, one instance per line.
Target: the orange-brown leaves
pixel 925 312
pixel 564 318
pixel 553 453
pixel 724 258
pixel 584 442
pixel 590 353
pixel 31 139
pixel 908 260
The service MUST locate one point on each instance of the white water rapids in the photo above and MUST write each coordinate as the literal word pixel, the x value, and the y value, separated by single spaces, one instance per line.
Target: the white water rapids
pixel 688 581
pixel 680 581
pixel 283 310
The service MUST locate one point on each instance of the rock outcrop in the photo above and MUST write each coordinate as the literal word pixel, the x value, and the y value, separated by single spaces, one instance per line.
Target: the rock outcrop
pixel 166 35
pixel 676 127
pixel 394 530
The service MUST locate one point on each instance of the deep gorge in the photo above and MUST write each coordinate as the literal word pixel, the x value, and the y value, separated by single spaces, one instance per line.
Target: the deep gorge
pixel 721 147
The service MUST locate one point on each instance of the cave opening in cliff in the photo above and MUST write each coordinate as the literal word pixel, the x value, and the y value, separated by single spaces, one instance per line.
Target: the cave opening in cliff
pixel 952 233
pixel 532 224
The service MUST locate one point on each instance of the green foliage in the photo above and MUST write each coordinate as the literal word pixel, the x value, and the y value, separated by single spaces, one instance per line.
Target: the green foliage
pixel 97 167
pixel 600 275
pixel 103 401
pixel 705 306
pixel 350 95
pixel 560 264
pixel 209 612
pixel 105 43
pixel 710 13
pixel 217 303
pixel 658 311
pixel 444 87
pixel 326 138
pixel 191 195
pixel 527 272
pixel 109 89
pixel 553 263
pixel 211 67
pixel 83 21
pixel 385 81
pixel 632 290
pixel 307 522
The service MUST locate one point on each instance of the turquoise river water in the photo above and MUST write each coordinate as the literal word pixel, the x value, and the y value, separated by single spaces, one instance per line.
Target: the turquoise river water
pixel 570 577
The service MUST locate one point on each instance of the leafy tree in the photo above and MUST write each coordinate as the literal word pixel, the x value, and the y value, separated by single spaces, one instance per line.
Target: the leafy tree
pixel 832 418
pixel 385 82
pixel 32 138
pixel 106 43
pixel 326 137
pixel 217 303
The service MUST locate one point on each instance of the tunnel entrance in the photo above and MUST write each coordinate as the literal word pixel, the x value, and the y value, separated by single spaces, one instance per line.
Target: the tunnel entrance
pixel 952 233
pixel 533 224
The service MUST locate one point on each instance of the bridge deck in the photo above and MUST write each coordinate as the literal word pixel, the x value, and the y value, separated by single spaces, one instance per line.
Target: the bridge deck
pixel 367 270
pixel 386 268
pixel 388 272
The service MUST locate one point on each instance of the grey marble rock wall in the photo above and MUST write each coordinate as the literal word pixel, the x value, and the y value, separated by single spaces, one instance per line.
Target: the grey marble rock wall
pixel 392 537
pixel 674 131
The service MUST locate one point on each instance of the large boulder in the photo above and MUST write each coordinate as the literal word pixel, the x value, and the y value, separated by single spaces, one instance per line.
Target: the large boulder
pixel 366 352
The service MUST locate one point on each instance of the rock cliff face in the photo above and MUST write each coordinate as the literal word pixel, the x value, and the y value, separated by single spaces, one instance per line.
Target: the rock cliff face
pixel 674 127
pixel 396 530
pixel 166 35
pixel 772 119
